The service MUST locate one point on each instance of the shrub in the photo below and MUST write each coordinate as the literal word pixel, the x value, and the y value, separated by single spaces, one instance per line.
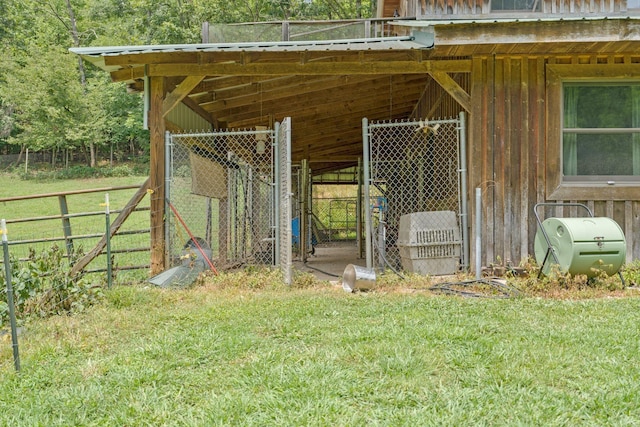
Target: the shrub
pixel 42 287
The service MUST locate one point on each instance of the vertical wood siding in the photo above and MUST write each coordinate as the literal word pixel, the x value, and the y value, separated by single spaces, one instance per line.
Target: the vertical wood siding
pixel 429 9
pixel 507 160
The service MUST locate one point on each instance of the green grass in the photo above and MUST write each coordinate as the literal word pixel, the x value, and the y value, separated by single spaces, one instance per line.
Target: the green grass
pixel 322 357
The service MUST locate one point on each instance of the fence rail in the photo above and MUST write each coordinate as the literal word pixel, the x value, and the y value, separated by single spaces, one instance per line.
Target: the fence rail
pixel 128 236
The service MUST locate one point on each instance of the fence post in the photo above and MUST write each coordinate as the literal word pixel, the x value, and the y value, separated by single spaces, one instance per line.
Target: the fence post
pixel 108 236
pixel 367 205
pixel 10 303
pixel 66 224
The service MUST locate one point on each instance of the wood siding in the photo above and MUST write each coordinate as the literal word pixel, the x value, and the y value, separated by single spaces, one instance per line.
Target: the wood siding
pixel 507 142
pixel 437 103
pixel 434 9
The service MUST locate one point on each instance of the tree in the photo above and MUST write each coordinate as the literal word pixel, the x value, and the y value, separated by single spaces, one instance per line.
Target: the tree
pixel 41 86
pixel 49 100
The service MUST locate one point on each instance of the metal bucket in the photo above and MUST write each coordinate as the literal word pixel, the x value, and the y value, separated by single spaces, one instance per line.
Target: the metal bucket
pixel 358 278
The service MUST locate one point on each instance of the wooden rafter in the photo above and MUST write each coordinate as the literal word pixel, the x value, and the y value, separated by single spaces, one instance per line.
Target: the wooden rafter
pixel 179 93
pixel 453 89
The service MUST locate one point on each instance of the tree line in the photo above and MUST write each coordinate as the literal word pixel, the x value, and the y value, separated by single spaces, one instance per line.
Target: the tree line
pixel 51 101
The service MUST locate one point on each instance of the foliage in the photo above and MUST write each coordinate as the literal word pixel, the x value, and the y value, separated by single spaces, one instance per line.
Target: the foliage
pixel 49 100
pixel 42 287
pixel 631 273
pixel 562 284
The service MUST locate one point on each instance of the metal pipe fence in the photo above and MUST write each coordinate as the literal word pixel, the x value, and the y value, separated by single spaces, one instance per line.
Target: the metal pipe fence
pixel 77 230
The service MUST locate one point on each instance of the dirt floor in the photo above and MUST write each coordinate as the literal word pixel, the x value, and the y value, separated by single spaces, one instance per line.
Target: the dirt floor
pixel 329 261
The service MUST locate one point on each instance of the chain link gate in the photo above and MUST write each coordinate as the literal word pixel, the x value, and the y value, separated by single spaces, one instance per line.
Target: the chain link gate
pixel 223 186
pixel 415 218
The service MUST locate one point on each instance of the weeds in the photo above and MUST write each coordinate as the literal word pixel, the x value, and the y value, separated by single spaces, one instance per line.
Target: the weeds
pixel 43 288
pixel 257 278
pixel 558 282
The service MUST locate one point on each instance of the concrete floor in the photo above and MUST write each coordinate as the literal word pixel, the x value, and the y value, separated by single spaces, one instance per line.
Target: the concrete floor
pixel 330 260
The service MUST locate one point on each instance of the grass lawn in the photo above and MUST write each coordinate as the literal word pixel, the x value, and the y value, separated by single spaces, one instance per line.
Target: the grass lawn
pixel 215 355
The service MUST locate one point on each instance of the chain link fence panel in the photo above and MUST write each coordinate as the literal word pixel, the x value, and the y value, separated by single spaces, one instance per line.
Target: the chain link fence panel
pixel 334 220
pixel 221 186
pixel 414 195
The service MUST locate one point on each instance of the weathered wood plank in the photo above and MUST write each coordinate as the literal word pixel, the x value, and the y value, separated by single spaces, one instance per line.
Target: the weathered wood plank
pixel 523 158
pixel 477 137
pixel 489 183
pixel 635 229
pixel 499 147
pixel 539 128
pixel 156 177
pixel 540 33
pixel 314 68
pixel 509 187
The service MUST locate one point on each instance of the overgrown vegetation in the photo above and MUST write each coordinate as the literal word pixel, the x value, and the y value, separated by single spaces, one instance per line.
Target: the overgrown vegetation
pixel 42 286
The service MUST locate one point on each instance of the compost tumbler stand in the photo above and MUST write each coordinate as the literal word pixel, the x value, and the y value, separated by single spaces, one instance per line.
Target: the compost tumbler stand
pixel 544 233
pixel 546 237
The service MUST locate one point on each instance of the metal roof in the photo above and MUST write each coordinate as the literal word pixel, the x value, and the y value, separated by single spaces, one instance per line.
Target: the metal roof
pixel 421 41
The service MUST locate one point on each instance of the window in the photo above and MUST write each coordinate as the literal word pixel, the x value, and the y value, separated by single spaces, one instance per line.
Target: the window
pixel 516 5
pixel 601 132
pixel 633 4
pixel 592 149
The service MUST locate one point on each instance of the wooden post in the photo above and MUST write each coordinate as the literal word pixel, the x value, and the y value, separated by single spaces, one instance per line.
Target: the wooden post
pixel 156 174
pixel 66 225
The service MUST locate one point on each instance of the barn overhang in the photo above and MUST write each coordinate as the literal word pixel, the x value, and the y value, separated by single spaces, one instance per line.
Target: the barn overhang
pixel 327 87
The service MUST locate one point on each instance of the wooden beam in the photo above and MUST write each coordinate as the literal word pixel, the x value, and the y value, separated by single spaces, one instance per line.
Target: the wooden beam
pixel 115 226
pixel 179 93
pixel 328 100
pixel 254 86
pixel 246 57
pixel 156 176
pixel 127 74
pixel 453 89
pixel 299 85
pixel 314 68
